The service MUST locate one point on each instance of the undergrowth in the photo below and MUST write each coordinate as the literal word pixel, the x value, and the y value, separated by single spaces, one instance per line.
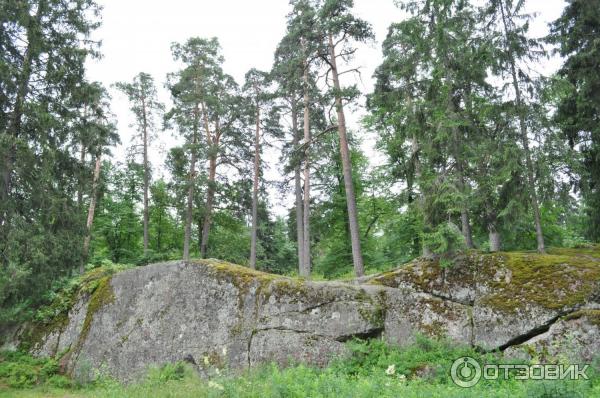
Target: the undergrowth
pixel 372 369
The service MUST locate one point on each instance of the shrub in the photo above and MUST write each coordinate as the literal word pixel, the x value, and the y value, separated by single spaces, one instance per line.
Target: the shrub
pixel 19 370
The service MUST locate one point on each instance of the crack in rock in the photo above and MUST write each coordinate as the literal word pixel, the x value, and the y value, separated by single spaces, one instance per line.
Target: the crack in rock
pixel 525 337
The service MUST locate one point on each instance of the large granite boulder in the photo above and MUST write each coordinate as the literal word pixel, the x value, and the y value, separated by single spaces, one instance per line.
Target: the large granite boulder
pixel 512 296
pixel 215 315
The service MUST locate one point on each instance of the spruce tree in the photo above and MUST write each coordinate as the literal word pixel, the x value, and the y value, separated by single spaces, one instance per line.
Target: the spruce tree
pixel 575 33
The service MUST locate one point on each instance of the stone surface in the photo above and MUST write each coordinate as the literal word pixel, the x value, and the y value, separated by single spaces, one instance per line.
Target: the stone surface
pixel 217 315
pixel 509 295
pixel 574 339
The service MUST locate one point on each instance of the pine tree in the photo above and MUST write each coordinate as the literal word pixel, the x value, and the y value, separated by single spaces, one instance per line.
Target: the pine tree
pixel 287 73
pixel 256 86
pixel 97 132
pixel 302 38
pixel 339 27
pixel 207 102
pixel 190 91
pixel 146 107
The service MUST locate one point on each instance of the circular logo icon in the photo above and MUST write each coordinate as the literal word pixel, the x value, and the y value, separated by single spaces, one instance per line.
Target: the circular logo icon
pixel 465 372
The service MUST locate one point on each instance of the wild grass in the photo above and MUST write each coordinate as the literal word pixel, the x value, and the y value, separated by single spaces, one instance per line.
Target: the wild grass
pixel 373 369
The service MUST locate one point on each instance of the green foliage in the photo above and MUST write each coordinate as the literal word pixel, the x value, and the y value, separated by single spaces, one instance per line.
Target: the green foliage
pixel 48 113
pixel 578 103
pixel 372 369
pixel 375 357
pixel 168 372
pixel 19 370
pixel 117 227
pixel 62 297
pixel 445 241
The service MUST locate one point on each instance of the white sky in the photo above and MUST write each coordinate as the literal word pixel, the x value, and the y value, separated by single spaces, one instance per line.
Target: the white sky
pixel 136 36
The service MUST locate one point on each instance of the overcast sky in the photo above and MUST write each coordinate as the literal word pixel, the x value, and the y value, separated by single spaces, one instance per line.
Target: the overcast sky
pixel 136 36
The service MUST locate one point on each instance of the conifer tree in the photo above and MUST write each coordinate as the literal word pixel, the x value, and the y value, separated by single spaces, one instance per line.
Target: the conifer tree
pixel 146 107
pixel 513 48
pixel 339 28
pixel 579 108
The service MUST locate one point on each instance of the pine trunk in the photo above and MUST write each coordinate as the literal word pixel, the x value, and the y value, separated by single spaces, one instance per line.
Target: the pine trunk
pixel 346 167
pixel 90 217
pixel 213 143
pixel 146 175
pixel 190 197
pixel 210 196
pixel 253 240
pixel 494 237
pixel 305 270
pixel 298 192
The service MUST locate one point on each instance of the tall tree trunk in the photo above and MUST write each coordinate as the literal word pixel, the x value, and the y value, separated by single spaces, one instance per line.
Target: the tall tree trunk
pixel 159 232
pixel 305 270
pixel 524 141
pixel 210 192
pixel 255 190
pixel 414 197
pixel 461 185
pixel 90 217
pixel 210 195
pixel 81 163
pixel 464 211
pixel 199 227
pixel 190 197
pixel 466 227
pixel 146 173
pixel 346 166
pixel 494 235
pixel 298 191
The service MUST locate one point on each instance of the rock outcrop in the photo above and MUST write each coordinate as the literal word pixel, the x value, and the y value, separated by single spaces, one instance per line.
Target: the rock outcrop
pixel 216 315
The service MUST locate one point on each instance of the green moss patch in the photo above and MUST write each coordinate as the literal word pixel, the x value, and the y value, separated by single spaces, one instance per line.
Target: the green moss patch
pixel 427 275
pixel 242 278
pixel 419 273
pixel 559 279
pixel 593 316
pixel 562 278
pixel 55 316
pixel 102 296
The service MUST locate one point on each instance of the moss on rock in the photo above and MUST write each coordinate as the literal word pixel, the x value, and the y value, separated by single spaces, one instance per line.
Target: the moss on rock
pixel 102 295
pixel 428 275
pixel 54 318
pixel 240 275
pixel 553 281
pixel 592 315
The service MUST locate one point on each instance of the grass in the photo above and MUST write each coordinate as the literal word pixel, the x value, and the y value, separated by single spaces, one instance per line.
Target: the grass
pixel 419 370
